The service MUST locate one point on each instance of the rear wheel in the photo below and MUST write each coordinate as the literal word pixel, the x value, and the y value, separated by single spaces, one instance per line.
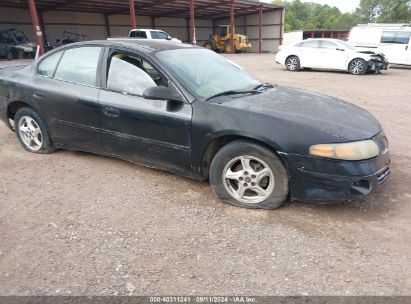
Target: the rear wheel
pixel 248 175
pixel 32 132
pixel 293 63
pixel 358 66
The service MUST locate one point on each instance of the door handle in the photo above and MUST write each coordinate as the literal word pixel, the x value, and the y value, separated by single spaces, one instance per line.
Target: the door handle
pixel 37 95
pixel 111 112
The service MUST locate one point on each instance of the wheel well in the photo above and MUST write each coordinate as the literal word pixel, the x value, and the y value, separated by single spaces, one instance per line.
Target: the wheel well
pixel 14 107
pixel 220 142
pixel 291 56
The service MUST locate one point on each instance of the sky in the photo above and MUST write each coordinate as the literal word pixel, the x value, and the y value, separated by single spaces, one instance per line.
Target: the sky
pixel 346 6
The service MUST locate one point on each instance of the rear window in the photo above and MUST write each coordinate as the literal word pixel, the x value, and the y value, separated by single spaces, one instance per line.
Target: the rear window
pixel 138 34
pixel 395 37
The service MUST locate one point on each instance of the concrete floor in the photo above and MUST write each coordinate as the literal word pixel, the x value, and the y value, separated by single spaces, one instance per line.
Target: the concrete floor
pixel 80 224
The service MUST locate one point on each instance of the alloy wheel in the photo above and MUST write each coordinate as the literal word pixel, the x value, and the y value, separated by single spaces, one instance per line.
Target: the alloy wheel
pixel 357 67
pixel 30 133
pixel 248 179
pixel 292 63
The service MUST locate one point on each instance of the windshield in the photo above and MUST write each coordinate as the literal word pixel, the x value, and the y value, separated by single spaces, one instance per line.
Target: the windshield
pixel 347 45
pixel 206 73
pixel 19 36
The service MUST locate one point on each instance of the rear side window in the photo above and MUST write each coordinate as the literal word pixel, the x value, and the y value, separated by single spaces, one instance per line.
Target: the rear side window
pixel 395 37
pixel 79 65
pixel 48 65
pixel 311 44
pixel 138 34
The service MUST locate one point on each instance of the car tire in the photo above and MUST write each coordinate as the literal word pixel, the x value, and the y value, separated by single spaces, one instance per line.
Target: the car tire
pixel 358 66
pixel 263 179
pixel 32 132
pixel 10 56
pixel 292 63
pixel 228 48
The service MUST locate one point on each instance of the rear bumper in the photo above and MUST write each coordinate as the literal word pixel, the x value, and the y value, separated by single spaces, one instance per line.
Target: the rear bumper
pixel 327 180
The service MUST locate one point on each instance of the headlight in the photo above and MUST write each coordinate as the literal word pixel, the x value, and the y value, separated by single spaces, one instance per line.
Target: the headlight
pixel 357 150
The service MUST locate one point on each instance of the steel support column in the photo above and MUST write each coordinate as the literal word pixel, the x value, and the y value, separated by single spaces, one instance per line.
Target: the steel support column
pixel 133 15
pixel 232 26
pixel 281 25
pixel 38 34
pixel 107 25
pixel 260 29
pixel 193 39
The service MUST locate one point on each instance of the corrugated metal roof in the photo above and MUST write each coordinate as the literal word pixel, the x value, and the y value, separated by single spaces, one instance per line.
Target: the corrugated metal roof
pixel 206 9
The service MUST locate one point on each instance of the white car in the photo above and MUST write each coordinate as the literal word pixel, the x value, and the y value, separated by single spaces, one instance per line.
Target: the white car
pixel 151 34
pixel 330 54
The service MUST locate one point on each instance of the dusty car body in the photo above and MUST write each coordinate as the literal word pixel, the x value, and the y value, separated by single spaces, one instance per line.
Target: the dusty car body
pixel 178 126
pixel 15 44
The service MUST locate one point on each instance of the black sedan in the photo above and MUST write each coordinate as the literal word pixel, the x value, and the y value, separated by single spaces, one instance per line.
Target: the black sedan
pixel 187 110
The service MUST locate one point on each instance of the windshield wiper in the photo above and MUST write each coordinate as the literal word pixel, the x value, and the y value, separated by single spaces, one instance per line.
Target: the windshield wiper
pixel 232 92
pixel 264 85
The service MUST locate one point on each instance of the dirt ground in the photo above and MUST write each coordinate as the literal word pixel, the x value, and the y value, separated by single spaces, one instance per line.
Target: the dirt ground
pixel 80 224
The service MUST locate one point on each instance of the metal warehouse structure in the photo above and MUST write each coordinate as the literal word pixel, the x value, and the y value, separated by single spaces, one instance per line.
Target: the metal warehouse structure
pixel 189 20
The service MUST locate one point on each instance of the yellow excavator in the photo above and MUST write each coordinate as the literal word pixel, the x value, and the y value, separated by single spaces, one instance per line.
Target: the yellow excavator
pixel 221 42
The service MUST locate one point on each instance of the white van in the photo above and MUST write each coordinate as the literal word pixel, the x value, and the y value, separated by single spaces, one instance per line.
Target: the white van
pixel 394 40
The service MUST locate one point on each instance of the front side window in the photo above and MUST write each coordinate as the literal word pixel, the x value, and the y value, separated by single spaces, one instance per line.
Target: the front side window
pixel 206 73
pixel 162 35
pixel 395 37
pixel 79 65
pixel 48 65
pixel 132 75
pixel 328 45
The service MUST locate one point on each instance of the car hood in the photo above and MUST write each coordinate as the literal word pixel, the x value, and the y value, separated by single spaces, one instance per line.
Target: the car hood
pixel 310 110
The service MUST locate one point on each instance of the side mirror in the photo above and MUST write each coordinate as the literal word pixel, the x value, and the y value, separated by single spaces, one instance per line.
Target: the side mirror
pixel 340 49
pixel 169 38
pixel 163 93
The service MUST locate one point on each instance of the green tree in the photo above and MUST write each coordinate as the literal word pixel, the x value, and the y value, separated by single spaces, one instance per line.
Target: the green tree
pixel 308 15
pixel 384 11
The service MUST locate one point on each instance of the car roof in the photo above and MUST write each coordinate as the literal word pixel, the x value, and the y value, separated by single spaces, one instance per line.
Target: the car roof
pixel 326 39
pixel 153 30
pixel 142 45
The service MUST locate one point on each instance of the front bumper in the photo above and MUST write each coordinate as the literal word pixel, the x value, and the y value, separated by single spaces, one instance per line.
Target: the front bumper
pixel 329 180
pixel 378 65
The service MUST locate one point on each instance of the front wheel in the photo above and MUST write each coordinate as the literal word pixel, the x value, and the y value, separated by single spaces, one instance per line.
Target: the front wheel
pixel 358 67
pixel 248 175
pixel 293 63
pixel 32 132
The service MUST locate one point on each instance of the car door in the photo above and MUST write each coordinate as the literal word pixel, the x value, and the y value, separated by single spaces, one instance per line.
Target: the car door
pixel 332 56
pixel 152 132
pixel 65 89
pixel 396 46
pixel 309 53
